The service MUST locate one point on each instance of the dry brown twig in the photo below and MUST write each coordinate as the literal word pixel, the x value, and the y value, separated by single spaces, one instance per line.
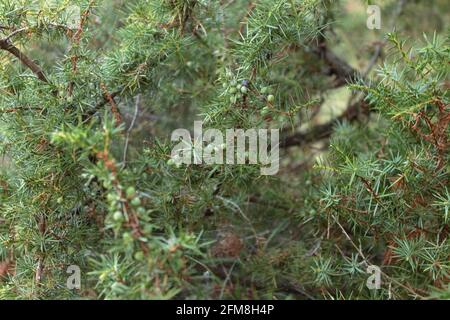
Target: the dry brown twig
pixel 110 98
pixel 6 44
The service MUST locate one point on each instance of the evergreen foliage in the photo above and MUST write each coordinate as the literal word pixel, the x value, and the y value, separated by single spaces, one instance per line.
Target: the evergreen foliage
pixel 86 177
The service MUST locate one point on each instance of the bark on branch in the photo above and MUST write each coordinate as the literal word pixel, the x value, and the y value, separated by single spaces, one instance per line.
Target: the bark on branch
pixel 325 130
pixel 338 67
pixel 6 45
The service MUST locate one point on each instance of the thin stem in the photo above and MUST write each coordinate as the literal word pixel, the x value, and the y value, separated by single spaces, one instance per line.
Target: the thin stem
pixel 6 45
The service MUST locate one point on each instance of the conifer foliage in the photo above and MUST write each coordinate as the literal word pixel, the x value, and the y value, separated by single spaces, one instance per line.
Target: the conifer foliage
pixel 87 179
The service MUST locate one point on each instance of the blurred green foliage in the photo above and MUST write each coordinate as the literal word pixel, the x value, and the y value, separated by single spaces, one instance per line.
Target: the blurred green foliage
pixel 86 181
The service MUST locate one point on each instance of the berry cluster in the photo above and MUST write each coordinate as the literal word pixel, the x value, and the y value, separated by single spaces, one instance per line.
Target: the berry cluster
pixel 237 90
pixel 269 97
pixel 115 203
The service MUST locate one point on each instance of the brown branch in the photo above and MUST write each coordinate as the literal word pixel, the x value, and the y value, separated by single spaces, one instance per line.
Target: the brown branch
pixel 344 72
pixel 325 130
pixel 133 221
pixel 76 40
pixel 101 104
pixel 110 99
pixel 6 45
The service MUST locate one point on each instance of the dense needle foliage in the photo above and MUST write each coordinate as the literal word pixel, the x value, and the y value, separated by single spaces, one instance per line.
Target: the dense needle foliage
pixel 86 179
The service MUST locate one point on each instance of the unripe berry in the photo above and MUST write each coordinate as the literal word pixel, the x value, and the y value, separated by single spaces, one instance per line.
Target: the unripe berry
pixel 233 90
pixel 127 237
pixel 271 98
pixel 265 110
pixel 110 197
pixel 244 90
pixel 139 256
pixel 264 90
pixel 131 192
pixel 117 216
pixel 136 202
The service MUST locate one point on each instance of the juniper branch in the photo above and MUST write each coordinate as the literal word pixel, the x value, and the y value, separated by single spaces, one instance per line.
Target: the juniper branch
pixel 337 66
pixel 6 45
pixel 325 130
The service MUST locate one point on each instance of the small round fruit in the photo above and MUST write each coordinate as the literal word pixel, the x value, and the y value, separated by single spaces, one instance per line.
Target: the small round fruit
pixel 131 192
pixel 136 202
pixel 244 90
pixel 233 83
pixel 60 200
pixel 233 90
pixel 265 111
pixel 271 98
pixel 127 237
pixel 170 162
pixel 139 256
pixel 264 90
pixel 239 86
pixel 117 216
